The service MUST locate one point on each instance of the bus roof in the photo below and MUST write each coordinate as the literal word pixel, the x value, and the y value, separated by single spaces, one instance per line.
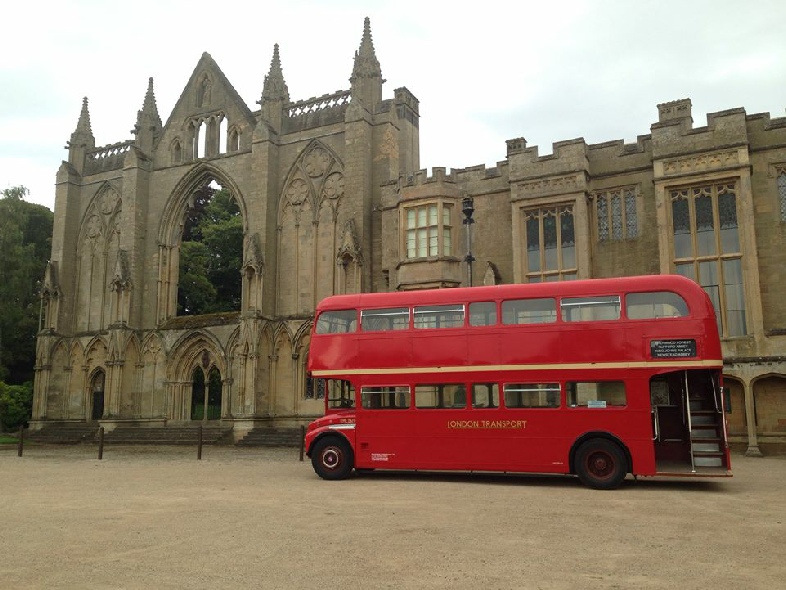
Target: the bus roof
pixel 691 291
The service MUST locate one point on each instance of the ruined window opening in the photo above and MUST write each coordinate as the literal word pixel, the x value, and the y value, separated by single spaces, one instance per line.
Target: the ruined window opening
pixel 211 254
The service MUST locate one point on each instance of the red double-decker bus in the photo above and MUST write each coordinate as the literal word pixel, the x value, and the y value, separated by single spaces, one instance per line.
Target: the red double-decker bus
pixel 597 378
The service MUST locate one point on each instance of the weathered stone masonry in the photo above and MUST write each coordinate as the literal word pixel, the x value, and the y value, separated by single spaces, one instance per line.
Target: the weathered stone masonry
pixel 333 200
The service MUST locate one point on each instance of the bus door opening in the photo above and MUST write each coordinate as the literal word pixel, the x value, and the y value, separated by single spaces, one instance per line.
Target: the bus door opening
pixel 687 421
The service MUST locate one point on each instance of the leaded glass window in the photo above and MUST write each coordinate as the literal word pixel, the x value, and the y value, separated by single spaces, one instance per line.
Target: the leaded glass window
pixel 782 192
pixel 428 230
pixel 707 249
pixel 550 244
pixel 616 215
pixel 315 389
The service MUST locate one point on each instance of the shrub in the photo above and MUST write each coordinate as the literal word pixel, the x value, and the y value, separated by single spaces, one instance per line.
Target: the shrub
pixel 16 404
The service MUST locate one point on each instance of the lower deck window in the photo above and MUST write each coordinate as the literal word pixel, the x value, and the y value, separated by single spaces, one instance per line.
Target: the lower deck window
pixel 485 395
pixel 532 395
pixel 385 398
pixel 448 395
pixel 595 394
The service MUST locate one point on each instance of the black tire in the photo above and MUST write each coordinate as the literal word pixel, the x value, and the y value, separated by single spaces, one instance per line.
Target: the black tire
pixel 332 458
pixel 601 464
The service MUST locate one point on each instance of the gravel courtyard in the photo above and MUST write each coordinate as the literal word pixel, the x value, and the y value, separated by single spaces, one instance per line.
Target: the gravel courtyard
pixel 146 517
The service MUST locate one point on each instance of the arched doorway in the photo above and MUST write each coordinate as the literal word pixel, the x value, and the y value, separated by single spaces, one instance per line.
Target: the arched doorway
pixel 97 395
pixel 206 395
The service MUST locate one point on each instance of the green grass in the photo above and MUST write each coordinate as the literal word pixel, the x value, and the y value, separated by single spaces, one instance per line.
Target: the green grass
pixel 6 439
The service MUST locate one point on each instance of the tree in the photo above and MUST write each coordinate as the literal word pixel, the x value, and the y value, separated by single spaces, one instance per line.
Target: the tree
pixel 211 254
pixel 25 245
pixel 16 403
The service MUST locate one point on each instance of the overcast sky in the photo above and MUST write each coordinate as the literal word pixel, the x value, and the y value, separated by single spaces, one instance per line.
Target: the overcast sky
pixel 483 72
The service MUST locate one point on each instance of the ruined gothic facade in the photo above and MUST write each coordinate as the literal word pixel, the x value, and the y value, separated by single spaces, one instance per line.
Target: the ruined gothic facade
pixel 333 201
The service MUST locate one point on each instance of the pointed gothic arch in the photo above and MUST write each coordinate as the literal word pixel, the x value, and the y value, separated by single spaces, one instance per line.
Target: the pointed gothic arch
pixel 153 381
pixel 98 249
pixel 171 231
pixel 176 151
pixel 307 234
pixel 204 90
pixel 194 350
pixel 95 404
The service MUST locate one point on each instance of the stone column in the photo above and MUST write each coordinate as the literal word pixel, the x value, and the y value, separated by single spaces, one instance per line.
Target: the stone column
pixel 750 422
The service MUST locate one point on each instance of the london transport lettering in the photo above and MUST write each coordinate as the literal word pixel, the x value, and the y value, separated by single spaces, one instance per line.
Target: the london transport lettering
pixel 487 424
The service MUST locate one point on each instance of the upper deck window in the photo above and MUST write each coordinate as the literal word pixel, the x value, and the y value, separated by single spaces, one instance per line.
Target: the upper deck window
pixel 391 318
pixel 590 309
pixel 659 304
pixel 337 322
pixel 439 316
pixel 529 311
pixel 482 313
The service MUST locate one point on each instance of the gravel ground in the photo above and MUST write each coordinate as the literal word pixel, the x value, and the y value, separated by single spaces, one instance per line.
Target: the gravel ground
pixel 147 517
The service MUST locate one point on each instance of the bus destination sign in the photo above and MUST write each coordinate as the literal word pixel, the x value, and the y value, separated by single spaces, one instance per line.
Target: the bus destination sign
pixel 673 348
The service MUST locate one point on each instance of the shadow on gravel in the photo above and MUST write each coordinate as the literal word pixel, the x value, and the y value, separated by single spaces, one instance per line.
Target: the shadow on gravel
pixel 539 480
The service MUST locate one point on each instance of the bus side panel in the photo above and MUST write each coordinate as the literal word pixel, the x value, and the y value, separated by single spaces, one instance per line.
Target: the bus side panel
pixel 386 439
pixel 436 348
pixel 382 350
pixel 327 351
pixel 529 346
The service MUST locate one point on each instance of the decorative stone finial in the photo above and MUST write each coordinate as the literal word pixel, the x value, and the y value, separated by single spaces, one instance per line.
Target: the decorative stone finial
pixel 275 88
pixel 366 62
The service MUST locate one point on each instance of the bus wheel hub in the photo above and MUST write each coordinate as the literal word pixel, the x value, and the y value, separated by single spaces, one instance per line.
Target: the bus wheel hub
pixel 330 458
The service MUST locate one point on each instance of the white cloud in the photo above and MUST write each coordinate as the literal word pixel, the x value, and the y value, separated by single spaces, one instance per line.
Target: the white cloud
pixel 544 71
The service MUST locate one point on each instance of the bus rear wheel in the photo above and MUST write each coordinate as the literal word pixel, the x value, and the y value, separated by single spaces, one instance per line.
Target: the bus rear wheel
pixel 332 458
pixel 601 464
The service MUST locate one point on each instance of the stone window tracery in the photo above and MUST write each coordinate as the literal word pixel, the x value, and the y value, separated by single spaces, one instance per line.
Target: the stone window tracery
pixel 782 192
pixel 615 211
pixel 707 249
pixel 550 239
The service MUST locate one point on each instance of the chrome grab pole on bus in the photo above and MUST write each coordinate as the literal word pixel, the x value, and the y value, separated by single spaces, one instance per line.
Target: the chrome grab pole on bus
pixel 716 393
pixel 722 412
pixel 656 422
pixel 690 425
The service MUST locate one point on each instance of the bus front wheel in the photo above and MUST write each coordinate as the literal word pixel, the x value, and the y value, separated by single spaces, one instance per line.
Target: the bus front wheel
pixel 601 464
pixel 332 458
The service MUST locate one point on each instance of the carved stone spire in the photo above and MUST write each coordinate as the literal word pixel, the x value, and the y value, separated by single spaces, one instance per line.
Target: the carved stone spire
pixel 81 139
pixel 148 122
pixel 366 62
pixel 83 130
pixel 275 94
pixel 275 87
pixel 366 76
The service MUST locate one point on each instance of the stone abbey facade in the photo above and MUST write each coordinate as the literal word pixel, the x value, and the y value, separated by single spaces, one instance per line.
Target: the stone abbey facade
pixel 333 200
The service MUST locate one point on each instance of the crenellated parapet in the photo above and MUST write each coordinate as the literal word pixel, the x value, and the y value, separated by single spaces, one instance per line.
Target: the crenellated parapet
pixel 422 177
pixel 670 136
pixel 765 131
pixel 563 171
